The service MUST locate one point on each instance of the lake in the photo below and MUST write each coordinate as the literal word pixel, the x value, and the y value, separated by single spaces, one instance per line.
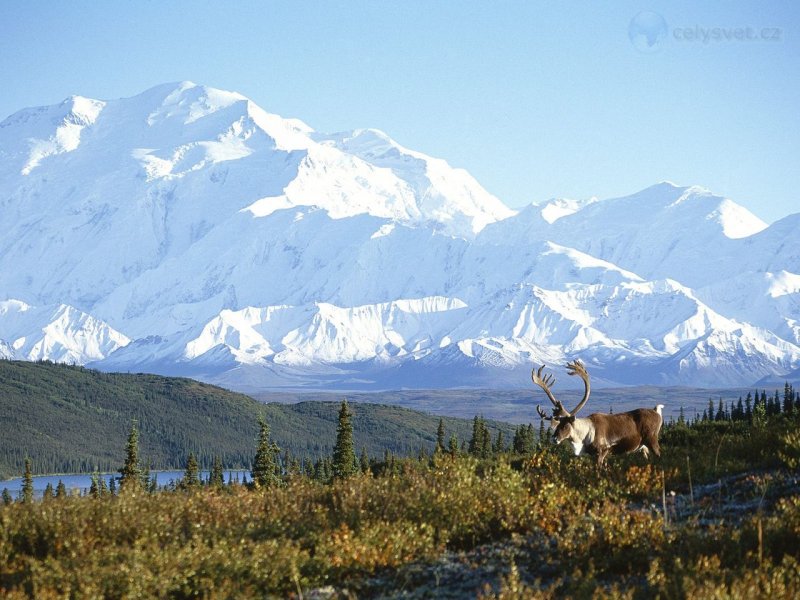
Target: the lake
pixel 83 482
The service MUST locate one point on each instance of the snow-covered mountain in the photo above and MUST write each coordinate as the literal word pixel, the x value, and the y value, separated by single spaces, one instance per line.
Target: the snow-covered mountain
pixel 186 230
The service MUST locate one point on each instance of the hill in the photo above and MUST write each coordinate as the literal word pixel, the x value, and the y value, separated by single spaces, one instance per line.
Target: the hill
pixel 72 419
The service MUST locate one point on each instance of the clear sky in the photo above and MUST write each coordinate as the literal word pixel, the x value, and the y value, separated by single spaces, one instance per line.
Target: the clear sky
pixel 535 100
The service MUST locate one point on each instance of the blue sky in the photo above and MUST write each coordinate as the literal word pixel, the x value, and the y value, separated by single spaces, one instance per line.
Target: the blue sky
pixel 535 100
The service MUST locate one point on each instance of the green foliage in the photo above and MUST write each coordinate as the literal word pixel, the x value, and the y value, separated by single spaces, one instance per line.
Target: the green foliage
pixel 131 471
pixel 440 436
pixel 191 478
pixel 27 483
pixel 69 419
pixel 344 456
pixel 266 471
pixel 216 478
pixel 480 444
pixel 452 445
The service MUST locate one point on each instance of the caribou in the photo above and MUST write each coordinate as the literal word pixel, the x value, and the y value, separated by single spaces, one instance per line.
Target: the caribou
pixel 599 434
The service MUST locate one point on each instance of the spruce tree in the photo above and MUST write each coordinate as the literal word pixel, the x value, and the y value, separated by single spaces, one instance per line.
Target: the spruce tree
pixel 486 441
pixel 112 485
pixel 131 472
pixel 48 492
pixel 27 483
pixel 364 460
pixel 788 398
pixel 61 490
pixel 94 488
pixel 265 466
pixel 720 412
pixel 440 436
pixel 759 415
pixel 475 440
pixel 148 483
pixel 499 444
pixel 191 478
pixel 516 443
pixel 7 499
pixel 748 407
pixel 452 445
pixel 344 457
pixel 217 477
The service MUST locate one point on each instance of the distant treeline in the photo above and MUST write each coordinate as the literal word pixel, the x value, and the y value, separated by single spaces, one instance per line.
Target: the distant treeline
pixel 70 419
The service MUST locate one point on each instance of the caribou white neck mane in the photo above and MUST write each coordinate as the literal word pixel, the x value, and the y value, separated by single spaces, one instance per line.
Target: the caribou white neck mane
pixel 581 434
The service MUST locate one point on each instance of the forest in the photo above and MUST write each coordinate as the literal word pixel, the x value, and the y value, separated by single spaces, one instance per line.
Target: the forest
pixel 69 419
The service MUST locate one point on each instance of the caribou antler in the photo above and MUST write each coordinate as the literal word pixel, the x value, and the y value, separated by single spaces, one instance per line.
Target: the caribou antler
pixel 546 383
pixel 576 368
pixel 543 414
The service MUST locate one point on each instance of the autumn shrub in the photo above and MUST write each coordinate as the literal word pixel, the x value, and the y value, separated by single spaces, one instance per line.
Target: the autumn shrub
pixel 581 531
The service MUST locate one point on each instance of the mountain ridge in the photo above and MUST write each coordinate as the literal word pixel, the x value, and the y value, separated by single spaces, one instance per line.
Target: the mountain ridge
pixel 215 239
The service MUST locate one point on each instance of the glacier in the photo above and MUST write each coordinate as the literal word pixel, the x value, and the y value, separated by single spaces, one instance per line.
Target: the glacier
pixel 188 231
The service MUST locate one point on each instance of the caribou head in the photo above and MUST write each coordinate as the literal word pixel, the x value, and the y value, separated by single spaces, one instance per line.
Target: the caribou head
pixel 561 418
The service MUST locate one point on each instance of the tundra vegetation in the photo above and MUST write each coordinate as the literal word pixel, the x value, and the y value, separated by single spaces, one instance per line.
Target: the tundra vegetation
pixel 716 516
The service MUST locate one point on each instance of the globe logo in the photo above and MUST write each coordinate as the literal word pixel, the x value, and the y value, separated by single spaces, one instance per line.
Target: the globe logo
pixel 647 32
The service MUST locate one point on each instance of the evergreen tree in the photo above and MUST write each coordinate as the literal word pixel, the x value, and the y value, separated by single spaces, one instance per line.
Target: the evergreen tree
pixel 452 445
pixel 94 488
pixel 48 492
pixel 191 478
pixel 710 409
pixel 364 461
pixel 475 439
pixel 748 407
pixel 759 415
pixel 27 483
pixel 681 417
pixel 486 441
pixel 112 485
pixel 217 477
pixel 516 443
pixel 265 467
pixel 788 398
pixel 61 490
pixel 101 485
pixel 131 472
pixel 739 410
pixel 499 444
pixel 720 416
pixel 542 436
pixel 7 499
pixel 344 457
pixel 295 468
pixel 440 436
